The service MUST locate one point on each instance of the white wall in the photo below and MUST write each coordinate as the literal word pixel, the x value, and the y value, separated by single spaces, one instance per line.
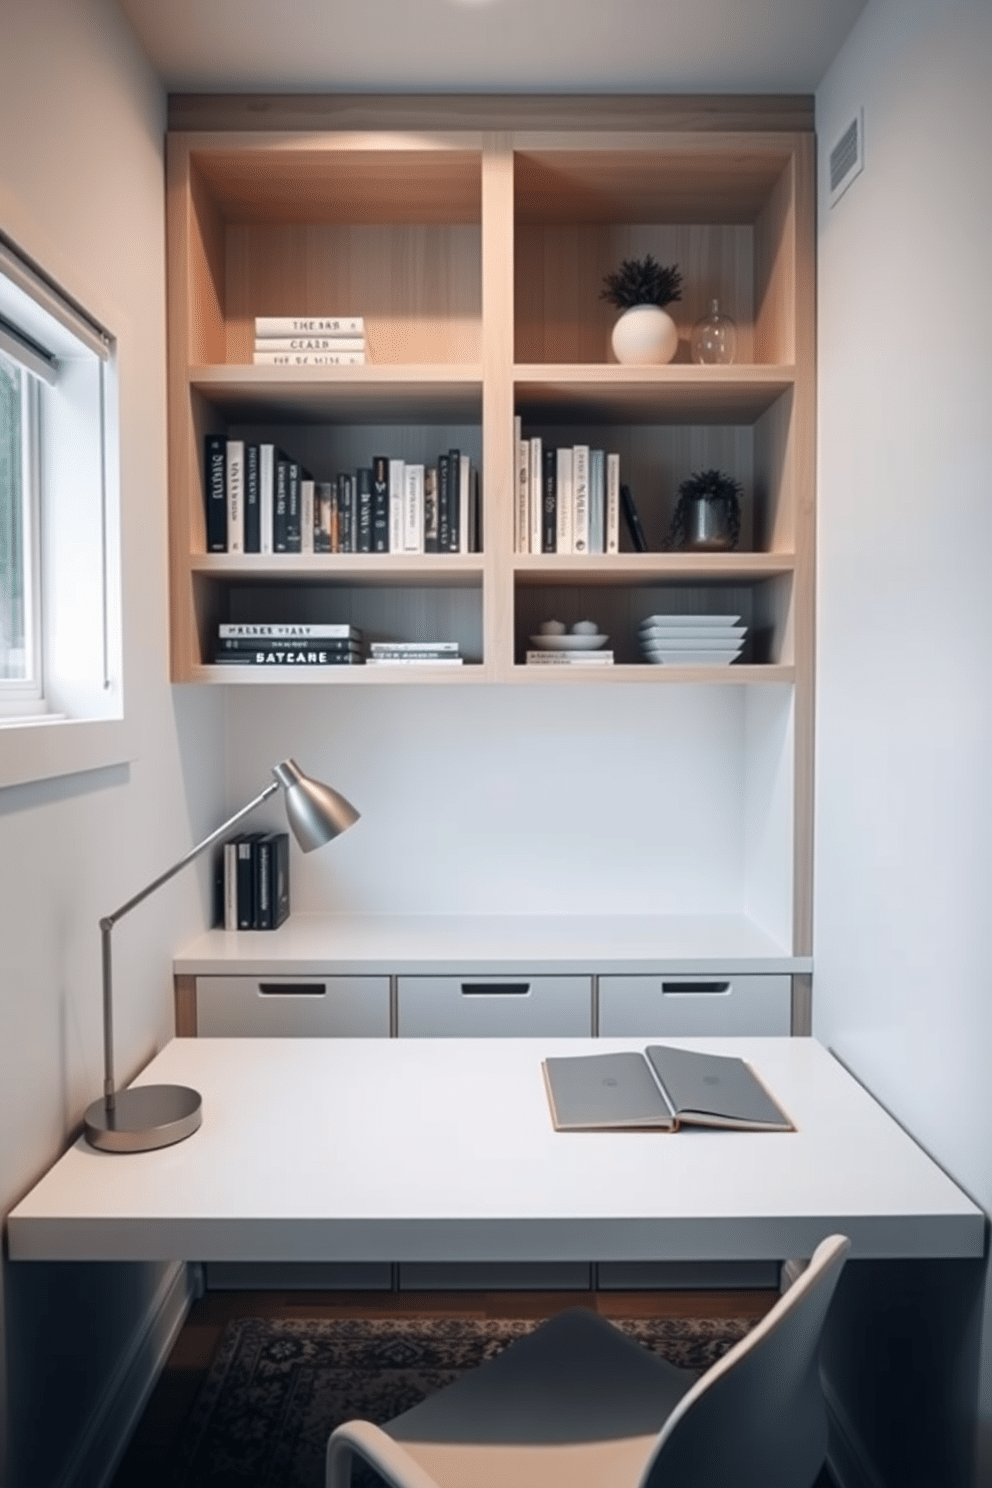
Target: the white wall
pixel 534 800
pixel 81 190
pixel 903 982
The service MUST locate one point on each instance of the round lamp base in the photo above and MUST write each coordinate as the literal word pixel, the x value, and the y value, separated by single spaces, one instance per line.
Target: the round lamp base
pixel 143 1118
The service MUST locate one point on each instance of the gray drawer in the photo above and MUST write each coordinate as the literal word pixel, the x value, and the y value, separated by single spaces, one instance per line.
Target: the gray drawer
pixel 495 1007
pixel 694 1005
pixel 292 1007
pixel 494 1276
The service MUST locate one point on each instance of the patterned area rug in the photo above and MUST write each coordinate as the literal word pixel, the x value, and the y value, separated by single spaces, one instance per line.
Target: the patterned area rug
pixel 277 1388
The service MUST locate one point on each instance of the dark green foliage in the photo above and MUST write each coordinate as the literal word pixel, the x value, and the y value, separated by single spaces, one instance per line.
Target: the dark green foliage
pixel 642 281
pixel 710 485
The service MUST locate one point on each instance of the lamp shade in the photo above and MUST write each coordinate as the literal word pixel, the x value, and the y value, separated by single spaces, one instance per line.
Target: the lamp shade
pixel 316 813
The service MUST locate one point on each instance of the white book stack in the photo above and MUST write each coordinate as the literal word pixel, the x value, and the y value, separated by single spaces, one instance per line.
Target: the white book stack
pixel 414 653
pixel 566 498
pixel 309 341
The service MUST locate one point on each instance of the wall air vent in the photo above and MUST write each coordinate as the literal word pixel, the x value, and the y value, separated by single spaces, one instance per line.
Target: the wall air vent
pixel 847 158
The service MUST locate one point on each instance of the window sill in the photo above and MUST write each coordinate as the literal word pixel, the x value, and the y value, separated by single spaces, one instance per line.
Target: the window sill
pixel 47 746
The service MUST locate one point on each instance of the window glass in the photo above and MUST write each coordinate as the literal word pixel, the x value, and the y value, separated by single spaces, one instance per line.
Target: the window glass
pixel 14 583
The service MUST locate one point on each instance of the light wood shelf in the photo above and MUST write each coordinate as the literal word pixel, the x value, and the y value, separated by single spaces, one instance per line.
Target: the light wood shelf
pixel 476 255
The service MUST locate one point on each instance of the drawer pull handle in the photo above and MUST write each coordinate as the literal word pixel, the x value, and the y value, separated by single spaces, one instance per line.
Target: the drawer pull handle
pixel 495 989
pixel 292 989
pixel 677 988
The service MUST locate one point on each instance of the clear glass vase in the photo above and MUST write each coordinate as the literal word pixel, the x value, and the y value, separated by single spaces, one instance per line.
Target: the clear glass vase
pixel 714 338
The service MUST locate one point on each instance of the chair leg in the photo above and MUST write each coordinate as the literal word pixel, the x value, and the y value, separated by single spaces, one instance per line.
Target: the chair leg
pixel 381 1452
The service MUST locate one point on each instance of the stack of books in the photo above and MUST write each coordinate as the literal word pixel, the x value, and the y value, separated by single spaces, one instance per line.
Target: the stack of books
pixel 261 500
pixel 288 645
pixel 309 341
pixel 253 881
pixel 567 498
pixel 414 653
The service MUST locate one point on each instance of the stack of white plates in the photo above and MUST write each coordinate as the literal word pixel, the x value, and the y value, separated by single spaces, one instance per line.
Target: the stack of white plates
pixel 692 640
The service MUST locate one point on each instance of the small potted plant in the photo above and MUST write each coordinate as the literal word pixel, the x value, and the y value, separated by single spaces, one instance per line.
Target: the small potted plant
pixel 645 334
pixel 707 515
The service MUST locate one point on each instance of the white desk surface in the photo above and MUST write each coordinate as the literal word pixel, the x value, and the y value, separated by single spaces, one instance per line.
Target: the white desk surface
pixel 443 1149
pixel 315 944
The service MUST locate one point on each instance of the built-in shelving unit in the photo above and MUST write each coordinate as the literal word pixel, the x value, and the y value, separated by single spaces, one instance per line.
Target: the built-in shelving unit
pixel 474 241
pixel 477 260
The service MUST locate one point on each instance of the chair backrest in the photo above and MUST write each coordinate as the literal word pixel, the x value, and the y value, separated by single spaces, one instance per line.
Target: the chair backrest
pixel 758 1417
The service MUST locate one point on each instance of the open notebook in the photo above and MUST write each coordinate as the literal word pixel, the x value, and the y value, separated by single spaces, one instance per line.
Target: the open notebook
pixel 661 1089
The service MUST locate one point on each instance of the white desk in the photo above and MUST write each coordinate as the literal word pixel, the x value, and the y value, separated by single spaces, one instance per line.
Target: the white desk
pixel 345 1150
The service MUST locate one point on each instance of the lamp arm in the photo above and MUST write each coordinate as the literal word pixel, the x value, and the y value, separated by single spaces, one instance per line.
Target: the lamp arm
pixel 109 921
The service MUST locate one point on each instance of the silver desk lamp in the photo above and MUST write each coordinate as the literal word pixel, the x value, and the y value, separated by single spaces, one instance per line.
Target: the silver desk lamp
pixel 147 1116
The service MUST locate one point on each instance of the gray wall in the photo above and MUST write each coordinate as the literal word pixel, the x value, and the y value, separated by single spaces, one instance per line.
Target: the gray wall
pixel 81 190
pixel 903 984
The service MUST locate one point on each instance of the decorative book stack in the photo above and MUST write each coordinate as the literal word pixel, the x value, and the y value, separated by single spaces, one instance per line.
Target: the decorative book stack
pixel 253 881
pixel 414 653
pixel 309 341
pixel 288 645
pixel 261 500
pixel 567 498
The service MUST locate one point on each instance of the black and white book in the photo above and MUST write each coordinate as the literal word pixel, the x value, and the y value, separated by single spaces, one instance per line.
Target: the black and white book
pixel 253 526
pixel 307 515
pixel 271 882
pixel 661 1089
pixel 464 504
pixel 215 489
pixel 244 850
pixel 612 503
pixel 294 511
pixel 275 654
pixel 236 646
pixel 324 496
pixel 569 658
pixel 363 503
pixel 549 502
pixel 580 499
pixel 397 493
pixel 308 358
pixel 632 519
pixel 310 343
pixel 413 508
pixel 380 504
pixel 413 648
pixel 597 501
pixel 430 509
pixel 534 481
pixel 444 500
pixel 267 326
pixel 414 661
pixel 280 506
pixel 235 495
pixel 323 630
pixel 565 505
pixel 266 497
pixel 521 526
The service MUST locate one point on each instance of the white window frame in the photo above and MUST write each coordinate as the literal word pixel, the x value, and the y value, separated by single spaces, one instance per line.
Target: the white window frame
pixel 71 716
pixel 22 697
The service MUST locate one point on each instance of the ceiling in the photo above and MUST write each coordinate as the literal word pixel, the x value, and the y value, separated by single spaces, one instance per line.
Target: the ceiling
pixel 500 46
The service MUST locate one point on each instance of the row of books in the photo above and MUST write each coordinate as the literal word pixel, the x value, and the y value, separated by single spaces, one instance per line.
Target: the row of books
pixel 259 500
pixel 253 881
pixel 567 499
pixel 309 341
pixel 322 644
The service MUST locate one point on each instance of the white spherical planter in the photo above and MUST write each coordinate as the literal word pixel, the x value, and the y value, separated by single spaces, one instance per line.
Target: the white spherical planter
pixel 645 335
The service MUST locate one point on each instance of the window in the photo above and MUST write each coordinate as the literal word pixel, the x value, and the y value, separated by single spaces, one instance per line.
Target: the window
pixel 20 682
pixel 60 642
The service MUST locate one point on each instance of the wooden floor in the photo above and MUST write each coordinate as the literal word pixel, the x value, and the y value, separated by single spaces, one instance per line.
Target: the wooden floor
pixel 189 1363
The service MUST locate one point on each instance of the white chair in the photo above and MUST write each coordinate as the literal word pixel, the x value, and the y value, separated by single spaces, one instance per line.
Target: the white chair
pixel 577 1404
